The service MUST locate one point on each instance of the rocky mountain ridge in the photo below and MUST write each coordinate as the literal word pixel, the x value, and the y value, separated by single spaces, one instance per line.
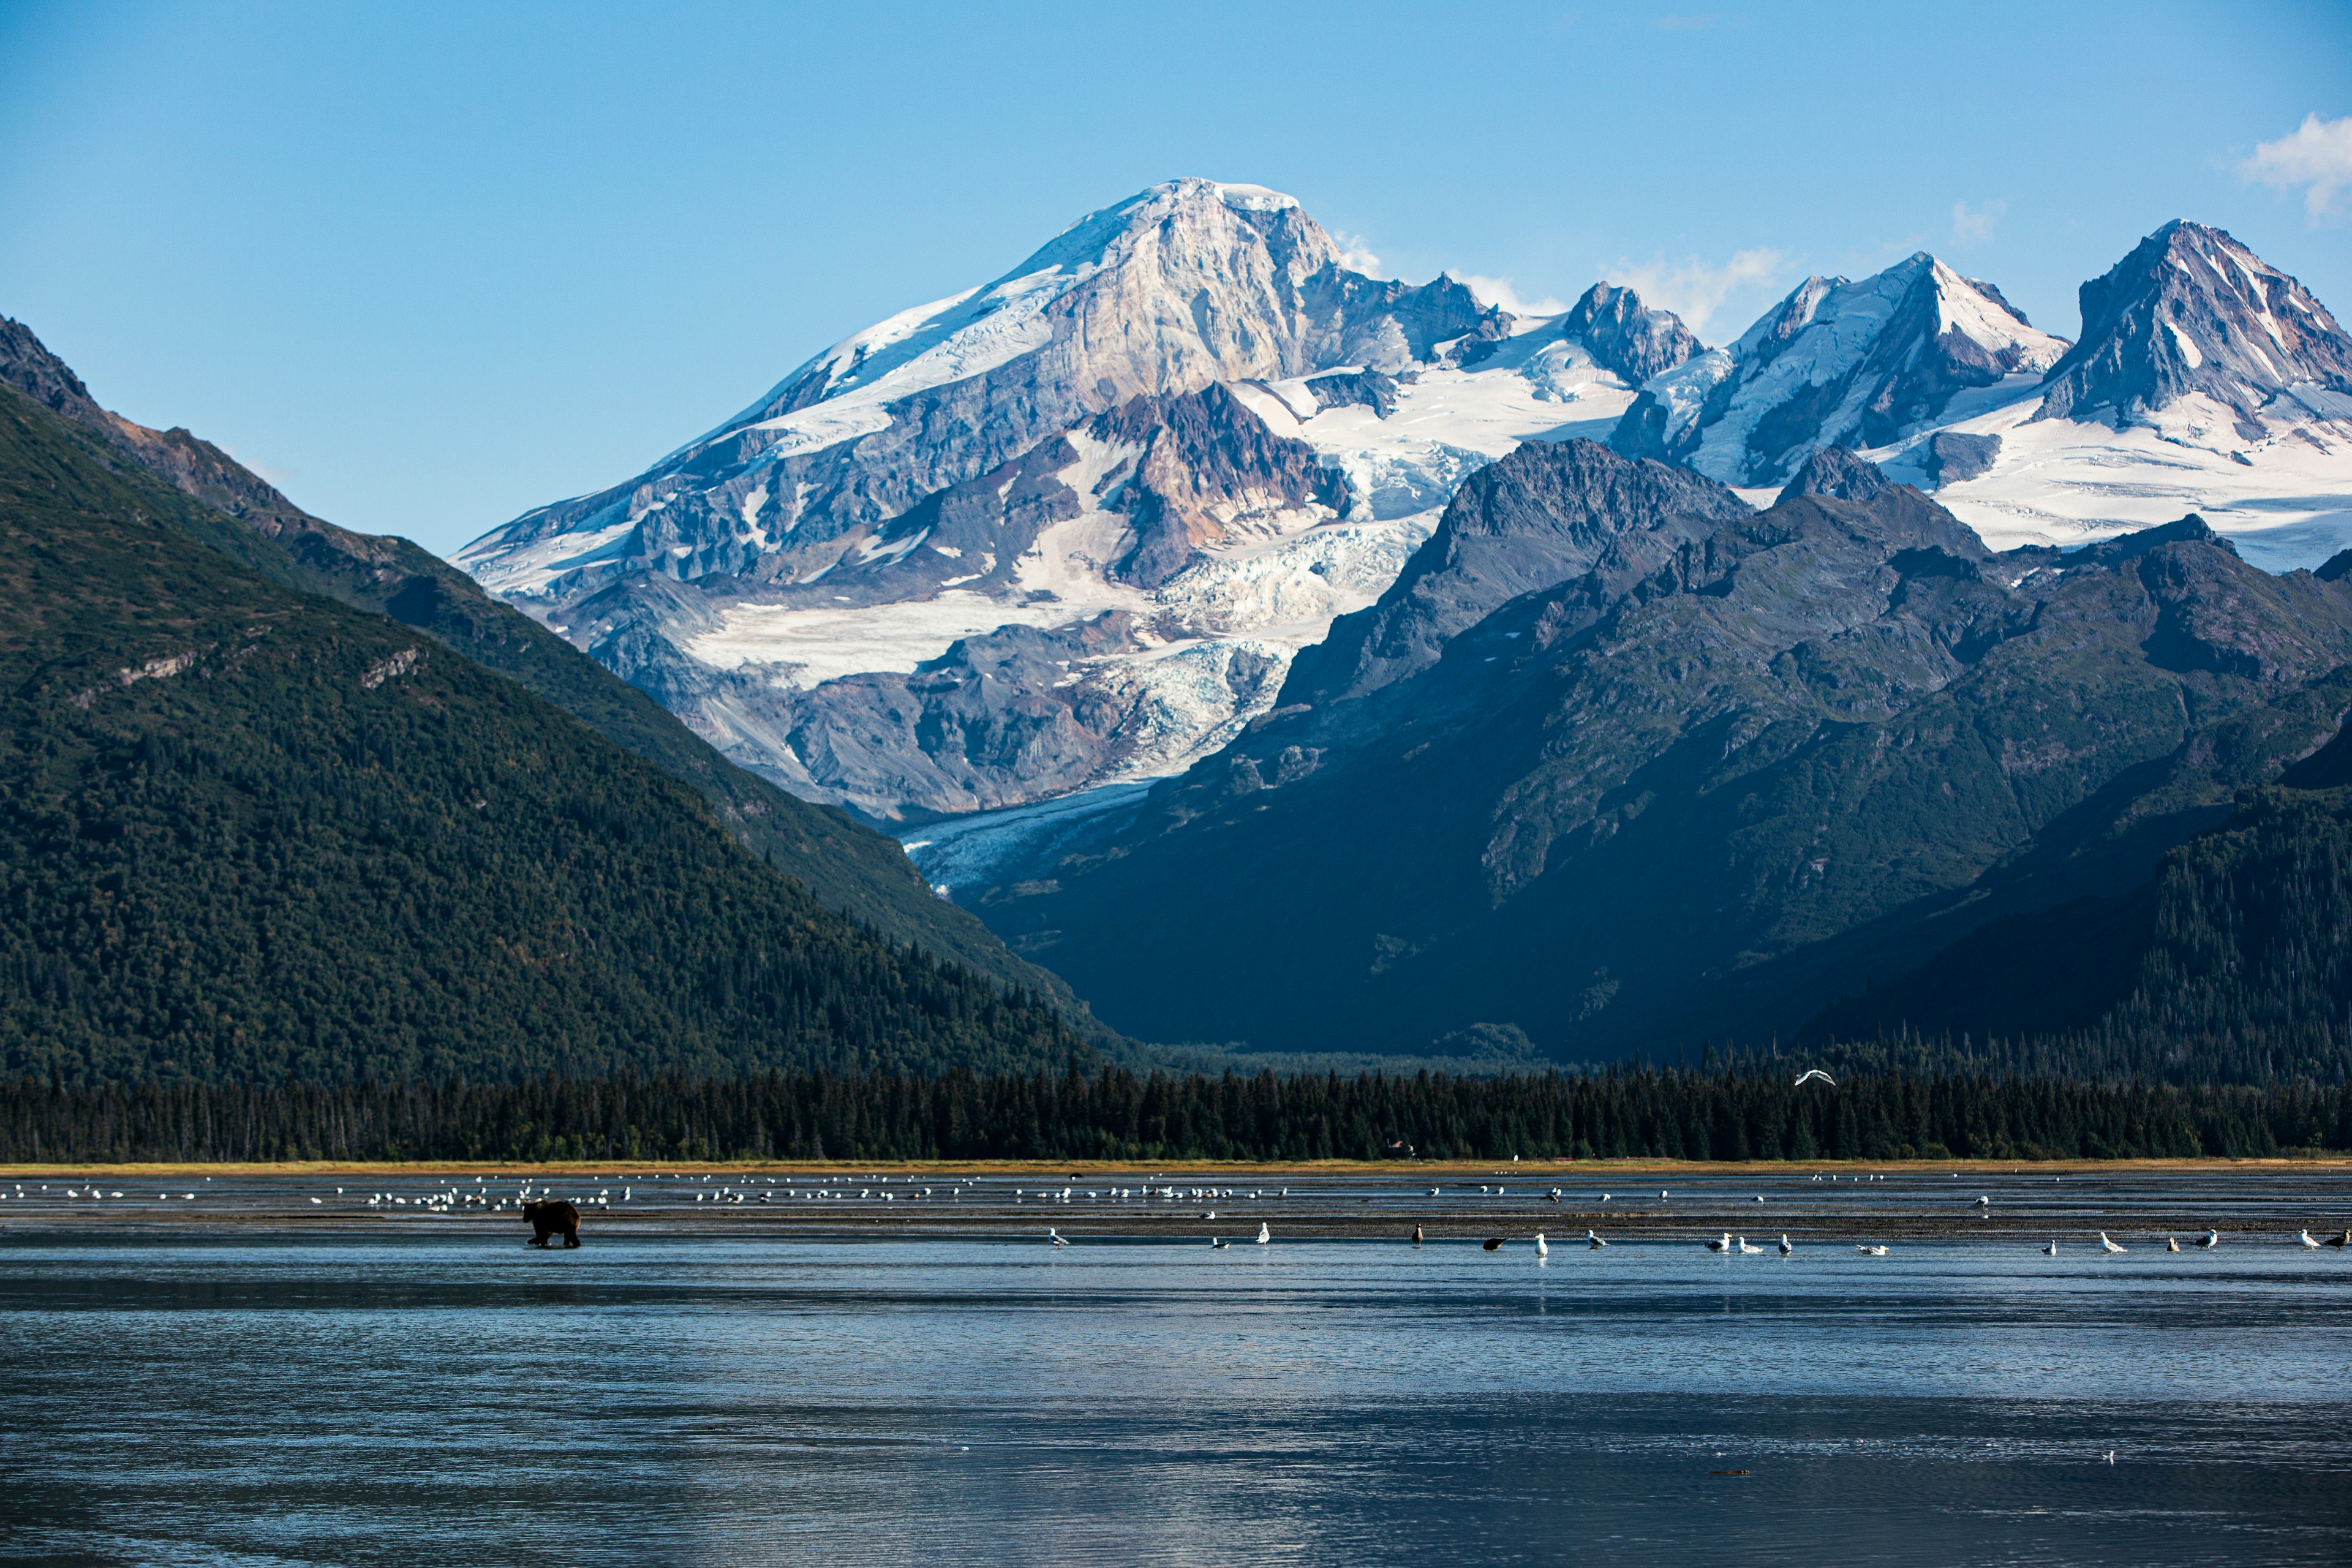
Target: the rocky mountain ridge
pixel 1700 782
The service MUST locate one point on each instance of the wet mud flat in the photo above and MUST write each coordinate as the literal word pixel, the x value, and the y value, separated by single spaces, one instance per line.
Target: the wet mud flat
pixel 2136 1207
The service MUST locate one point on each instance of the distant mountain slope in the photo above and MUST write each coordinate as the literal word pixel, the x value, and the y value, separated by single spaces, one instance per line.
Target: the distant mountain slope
pixel 1634 804
pixel 248 832
pixel 846 866
pixel 2229 962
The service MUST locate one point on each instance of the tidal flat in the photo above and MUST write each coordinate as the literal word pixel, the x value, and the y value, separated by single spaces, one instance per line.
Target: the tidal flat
pixel 845 1370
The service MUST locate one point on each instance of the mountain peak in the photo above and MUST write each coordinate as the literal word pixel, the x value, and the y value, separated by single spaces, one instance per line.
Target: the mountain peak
pixel 2192 313
pixel 1836 363
pixel 1627 337
pixel 1837 473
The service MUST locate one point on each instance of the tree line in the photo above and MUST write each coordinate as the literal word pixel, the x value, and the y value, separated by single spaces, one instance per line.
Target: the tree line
pixel 1721 1111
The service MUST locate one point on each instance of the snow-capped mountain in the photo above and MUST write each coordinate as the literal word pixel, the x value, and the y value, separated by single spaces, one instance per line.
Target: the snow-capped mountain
pixel 1070 527
pixel 2207 381
pixel 2191 314
pixel 1857 365
pixel 1067 528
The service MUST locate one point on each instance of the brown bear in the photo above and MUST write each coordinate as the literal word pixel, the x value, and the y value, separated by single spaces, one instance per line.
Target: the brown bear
pixel 550 1218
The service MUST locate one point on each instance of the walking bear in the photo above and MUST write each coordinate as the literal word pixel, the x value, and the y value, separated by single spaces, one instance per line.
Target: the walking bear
pixel 550 1218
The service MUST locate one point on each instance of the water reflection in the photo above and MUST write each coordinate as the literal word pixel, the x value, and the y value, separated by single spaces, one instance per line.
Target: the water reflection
pixel 443 1399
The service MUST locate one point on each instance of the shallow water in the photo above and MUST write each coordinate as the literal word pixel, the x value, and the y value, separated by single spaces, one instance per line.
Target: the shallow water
pixel 428 1395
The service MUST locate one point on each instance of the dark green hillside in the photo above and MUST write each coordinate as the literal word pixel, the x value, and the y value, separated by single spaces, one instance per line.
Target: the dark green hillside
pixel 847 867
pixel 2233 962
pixel 248 832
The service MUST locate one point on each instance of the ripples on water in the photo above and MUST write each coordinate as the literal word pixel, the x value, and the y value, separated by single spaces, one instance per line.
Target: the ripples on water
pixel 423 1398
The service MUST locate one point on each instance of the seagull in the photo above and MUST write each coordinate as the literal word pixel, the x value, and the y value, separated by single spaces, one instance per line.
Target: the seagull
pixel 2212 1239
pixel 2344 1240
pixel 1785 1247
pixel 1722 1246
pixel 2306 1240
pixel 1214 1241
pixel 1494 1243
pixel 1553 1195
pixel 2171 1244
pixel 1746 1249
pixel 2111 1456
pixel 1264 1235
pixel 1543 1248
pixel 2110 1246
pixel 1985 1201
pixel 1057 1238
pixel 1593 1241
pixel 1433 1192
pixel 1871 1251
pixel 1808 1077
pixel 1662 1197
pixel 2051 1250
pixel 1416 1236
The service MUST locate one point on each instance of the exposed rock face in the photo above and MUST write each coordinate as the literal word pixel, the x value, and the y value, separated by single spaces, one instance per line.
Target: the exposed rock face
pixel 1836 363
pixel 1355 389
pixel 2190 312
pixel 1954 456
pixel 1700 798
pixel 1623 335
pixel 1543 515
pixel 1135 589
pixel 1835 472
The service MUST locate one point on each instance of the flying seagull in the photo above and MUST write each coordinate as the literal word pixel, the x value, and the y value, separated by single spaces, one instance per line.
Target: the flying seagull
pixel 1812 1074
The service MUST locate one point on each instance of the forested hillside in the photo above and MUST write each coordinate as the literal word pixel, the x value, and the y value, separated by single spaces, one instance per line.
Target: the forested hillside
pixel 848 866
pixel 2233 962
pixel 248 832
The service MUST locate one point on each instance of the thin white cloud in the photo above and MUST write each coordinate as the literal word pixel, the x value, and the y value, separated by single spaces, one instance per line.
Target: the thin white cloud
pixel 2317 155
pixel 1694 290
pixel 1974 225
pixel 1356 255
pixel 1499 291
pixel 269 472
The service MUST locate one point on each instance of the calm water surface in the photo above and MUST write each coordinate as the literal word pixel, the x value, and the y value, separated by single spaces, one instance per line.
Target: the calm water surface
pixel 451 1398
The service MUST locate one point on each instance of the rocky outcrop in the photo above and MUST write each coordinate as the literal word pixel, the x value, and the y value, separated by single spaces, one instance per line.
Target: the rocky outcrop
pixel 1623 335
pixel 2192 313
pixel 1954 456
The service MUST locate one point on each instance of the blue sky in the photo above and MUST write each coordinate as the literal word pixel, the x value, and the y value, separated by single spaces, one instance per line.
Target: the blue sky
pixel 431 266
